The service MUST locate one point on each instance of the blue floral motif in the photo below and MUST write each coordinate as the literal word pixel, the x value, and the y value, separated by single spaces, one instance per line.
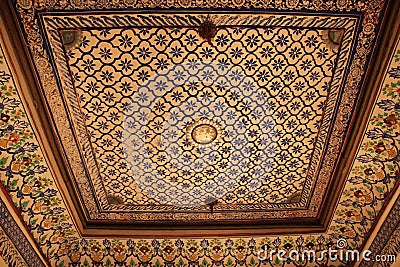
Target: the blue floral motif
pixel 395 72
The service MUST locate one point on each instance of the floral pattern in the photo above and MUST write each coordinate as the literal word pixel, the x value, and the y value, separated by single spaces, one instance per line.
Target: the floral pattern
pixel 177 95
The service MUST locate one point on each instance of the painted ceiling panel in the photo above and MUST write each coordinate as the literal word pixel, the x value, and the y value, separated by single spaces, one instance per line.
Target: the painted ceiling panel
pixel 268 86
pixel 142 102
pixel 205 127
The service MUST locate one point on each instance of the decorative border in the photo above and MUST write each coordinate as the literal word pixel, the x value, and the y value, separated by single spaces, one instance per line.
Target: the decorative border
pixel 22 174
pixel 383 239
pixel 384 235
pixel 18 239
pixel 9 253
pixel 15 247
pixel 334 6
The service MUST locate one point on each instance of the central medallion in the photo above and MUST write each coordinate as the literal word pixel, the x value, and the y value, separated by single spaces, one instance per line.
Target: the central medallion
pixel 204 134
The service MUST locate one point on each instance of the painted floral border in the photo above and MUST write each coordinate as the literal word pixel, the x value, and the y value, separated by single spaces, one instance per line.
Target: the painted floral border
pixel 15 248
pixel 9 253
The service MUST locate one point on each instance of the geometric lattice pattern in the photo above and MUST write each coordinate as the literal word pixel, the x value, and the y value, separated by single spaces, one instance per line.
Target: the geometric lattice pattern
pixel 140 89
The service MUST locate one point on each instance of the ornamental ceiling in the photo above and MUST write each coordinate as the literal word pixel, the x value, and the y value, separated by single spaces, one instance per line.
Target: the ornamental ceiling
pixel 270 88
pixel 266 92
pixel 177 123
